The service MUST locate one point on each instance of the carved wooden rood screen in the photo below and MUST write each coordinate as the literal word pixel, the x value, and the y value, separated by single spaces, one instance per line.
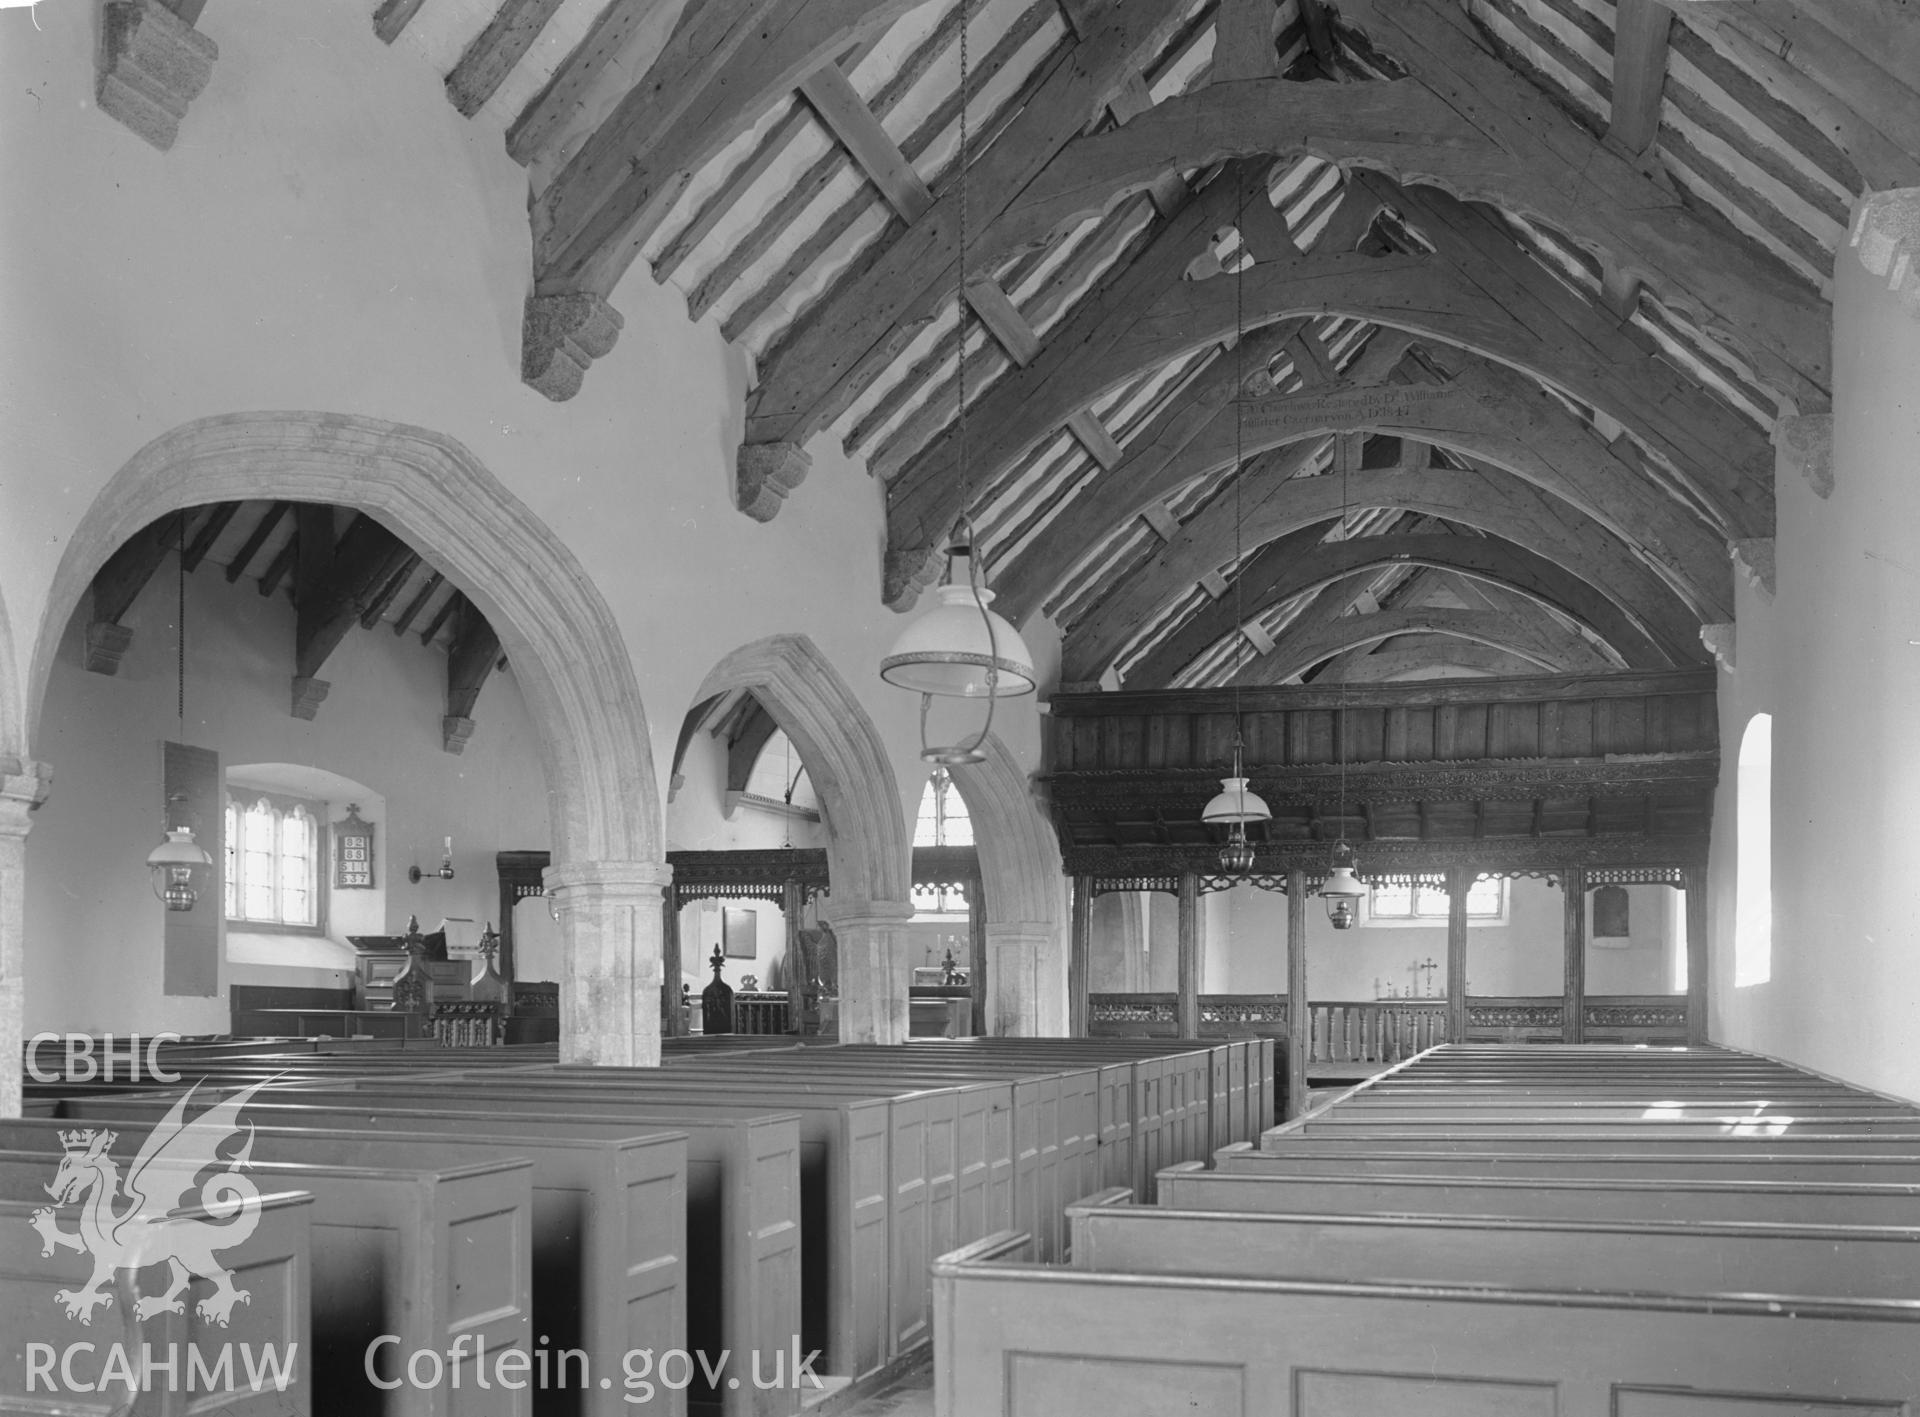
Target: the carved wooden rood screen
pixel 1589 781
pixel 792 878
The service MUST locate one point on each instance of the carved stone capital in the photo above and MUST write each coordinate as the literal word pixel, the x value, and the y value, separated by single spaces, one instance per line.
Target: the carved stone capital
pixel 561 336
pixel 107 643
pixel 1753 555
pixel 1804 442
pixel 308 693
pixel 454 732
pixel 909 570
pixel 763 475
pixel 1719 640
pixel 1886 239
pixel 152 65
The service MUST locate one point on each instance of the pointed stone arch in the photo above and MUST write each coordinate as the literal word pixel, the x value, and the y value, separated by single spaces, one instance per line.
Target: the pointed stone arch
pixel 869 841
pixel 568 654
pixel 1024 887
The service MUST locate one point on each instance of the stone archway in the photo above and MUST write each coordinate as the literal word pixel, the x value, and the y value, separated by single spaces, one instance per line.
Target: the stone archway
pixel 566 648
pixel 869 845
pixel 23 784
pixel 1025 893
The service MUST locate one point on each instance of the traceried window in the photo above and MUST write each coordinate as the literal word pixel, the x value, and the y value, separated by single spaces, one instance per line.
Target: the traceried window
pixel 943 821
pixel 273 860
pixel 1425 901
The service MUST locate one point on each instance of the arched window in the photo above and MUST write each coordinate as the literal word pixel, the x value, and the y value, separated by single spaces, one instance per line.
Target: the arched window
pixel 273 861
pixel 1753 855
pixel 942 821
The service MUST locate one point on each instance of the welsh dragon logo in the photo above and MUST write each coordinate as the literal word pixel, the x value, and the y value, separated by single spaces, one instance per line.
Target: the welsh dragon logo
pixel 145 1229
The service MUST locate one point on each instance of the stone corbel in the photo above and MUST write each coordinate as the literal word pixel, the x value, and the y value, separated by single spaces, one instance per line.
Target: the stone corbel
pixel 24 785
pixel 1886 239
pixel 454 733
pixel 1804 442
pixel 1719 640
pixel 308 694
pixel 763 475
pixel 153 63
pixel 1753 556
pixel 561 336
pixel 107 644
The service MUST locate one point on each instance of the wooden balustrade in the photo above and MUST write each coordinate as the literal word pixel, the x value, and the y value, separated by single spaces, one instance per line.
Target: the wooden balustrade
pixel 761 1012
pixel 1377 1033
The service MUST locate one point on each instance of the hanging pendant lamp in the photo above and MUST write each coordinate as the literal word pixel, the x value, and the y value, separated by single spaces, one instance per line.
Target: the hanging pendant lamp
pixel 961 649
pixel 1343 889
pixel 171 865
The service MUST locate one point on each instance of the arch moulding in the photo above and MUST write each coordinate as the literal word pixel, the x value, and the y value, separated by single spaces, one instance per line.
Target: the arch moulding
pixel 1024 885
pixel 869 845
pixel 567 652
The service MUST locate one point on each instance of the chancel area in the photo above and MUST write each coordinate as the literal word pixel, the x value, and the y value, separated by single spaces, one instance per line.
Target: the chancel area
pixel 986 706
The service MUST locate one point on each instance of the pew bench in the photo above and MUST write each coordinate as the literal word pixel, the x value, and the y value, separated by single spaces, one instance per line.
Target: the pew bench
pixel 1694 1257
pixel 424 1255
pixel 1021 1340
pixel 616 1209
pixel 248 1378
pixel 1551 1198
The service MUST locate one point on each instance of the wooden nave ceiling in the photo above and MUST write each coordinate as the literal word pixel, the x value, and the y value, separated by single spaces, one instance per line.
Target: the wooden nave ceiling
pixel 1369 340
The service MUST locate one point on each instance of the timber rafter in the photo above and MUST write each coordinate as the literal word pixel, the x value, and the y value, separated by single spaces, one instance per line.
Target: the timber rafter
pixel 1304 562
pixel 1489 500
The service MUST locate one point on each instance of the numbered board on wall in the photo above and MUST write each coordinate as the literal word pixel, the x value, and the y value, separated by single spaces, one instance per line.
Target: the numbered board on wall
pixel 353 852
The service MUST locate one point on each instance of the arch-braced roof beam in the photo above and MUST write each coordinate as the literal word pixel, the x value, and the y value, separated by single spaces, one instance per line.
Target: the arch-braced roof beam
pixel 1419 657
pixel 824 361
pixel 1489 500
pixel 1487 412
pixel 1494 138
pixel 1284 570
pixel 1432 297
pixel 1556 653
pixel 726 63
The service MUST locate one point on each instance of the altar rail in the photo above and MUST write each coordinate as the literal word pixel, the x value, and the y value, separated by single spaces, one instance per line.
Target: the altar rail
pixel 1381 1032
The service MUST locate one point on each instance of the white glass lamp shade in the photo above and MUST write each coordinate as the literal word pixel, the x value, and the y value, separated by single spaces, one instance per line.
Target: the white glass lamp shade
pixel 173 863
pixel 1235 802
pixel 1342 884
pixel 948 651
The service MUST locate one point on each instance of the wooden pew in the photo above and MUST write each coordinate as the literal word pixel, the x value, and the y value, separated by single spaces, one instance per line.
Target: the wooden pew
pixel 1020 1340
pixel 423 1255
pixel 1304 1158
pixel 1549 1198
pixel 883 1179
pixel 1694 1257
pixel 273 1266
pixel 615 1205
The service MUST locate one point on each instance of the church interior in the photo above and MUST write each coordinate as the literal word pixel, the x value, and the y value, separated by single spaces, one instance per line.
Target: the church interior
pixel 1094 706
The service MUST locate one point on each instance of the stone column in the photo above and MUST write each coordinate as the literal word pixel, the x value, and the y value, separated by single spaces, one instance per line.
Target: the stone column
pixel 873 968
pixel 1080 958
pixel 1694 882
pixel 1299 1014
pixel 1573 1003
pixel 673 1017
pixel 1028 976
pixel 793 904
pixel 610 929
pixel 1187 979
pixel 23 786
pixel 978 952
pixel 1459 882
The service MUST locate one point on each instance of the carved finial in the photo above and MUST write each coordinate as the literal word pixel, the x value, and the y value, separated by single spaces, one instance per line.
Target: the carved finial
pixel 413 941
pixel 489 945
pixel 718 960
